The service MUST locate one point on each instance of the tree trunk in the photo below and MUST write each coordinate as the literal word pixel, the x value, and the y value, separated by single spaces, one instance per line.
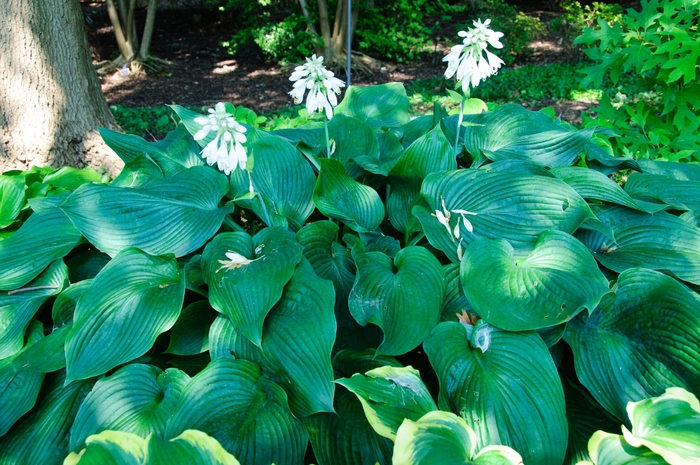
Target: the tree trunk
pixel 144 51
pixel 51 102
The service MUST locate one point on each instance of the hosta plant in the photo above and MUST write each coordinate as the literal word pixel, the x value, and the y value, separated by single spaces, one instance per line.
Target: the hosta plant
pixel 384 301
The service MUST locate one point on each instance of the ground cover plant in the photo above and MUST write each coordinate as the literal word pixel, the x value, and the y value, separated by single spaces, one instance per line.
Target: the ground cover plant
pixel 364 288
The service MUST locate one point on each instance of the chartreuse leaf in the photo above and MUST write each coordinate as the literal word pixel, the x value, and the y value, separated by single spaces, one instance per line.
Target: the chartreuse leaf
pixel 512 132
pixel 338 196
pixel 501 205
pixel 131 301
pixel 19 389
pixel 110 448
pixel 668 425
pixel 612 449
pixel 504 385
pixel 557 280
pixel 177 215
pixel 382 106
pixel 41 436
pixel 250 417
pixel 11 199
pixel 429 153
pixel 282 179
pixel 71 178
pixel 660 241
pixel 43 238
pixel 405 303
pixel 136 399
pixel 443 437
pixel 296 348
pixel 389 395
pixel 245 289
pixel 639 341
pixel 17 308
pixel 190 334
pixel 676 193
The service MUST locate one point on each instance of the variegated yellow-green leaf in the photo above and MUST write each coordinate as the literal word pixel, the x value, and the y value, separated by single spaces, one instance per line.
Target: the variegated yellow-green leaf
pixel 612 449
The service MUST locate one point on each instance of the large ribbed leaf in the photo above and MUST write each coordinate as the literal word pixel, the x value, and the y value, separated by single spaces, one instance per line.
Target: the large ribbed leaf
pixel 338 196
pixel 132 300
pixel 381 106
pixel 517 208
pixel 43 238
pixel 443 437
pixel 389 395
pixel 353 138
pixel 405 303
pixel 11 198
pixel 512 132
pixel 41 436
pixel 249 417
pixel 246 290
pixel 137 399
pixel 190 334
pixel 175 216
pixel 390 149
pixel 64 305
pixel 110 448
pixel 429 153
pixel 281 177
pixel 505 386
pixel 668 425
pixel 676 193
pixel 296 347
pixel 591 184
pixel 17 308
pixel 557 280
pixel 639 341
pixel 612 449
pixel 455 301
pixel 680 171
pixel 660 241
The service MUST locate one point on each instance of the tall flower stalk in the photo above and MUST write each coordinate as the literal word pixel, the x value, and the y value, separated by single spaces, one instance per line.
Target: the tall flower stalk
pixel 471 62
pixel 323 88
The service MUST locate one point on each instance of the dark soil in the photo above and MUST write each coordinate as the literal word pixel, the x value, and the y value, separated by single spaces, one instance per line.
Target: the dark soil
pixel 203 73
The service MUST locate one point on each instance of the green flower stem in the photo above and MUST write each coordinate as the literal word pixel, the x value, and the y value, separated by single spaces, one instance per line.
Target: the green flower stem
pixel 328 141
pixel 465 96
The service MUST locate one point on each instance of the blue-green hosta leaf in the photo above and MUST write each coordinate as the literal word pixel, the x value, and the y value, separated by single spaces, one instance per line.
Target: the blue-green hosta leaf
pixel 389 395
pixel 668 425
pixel 382 106
pixel 501 205
pixel 250 417
pixel 281 177
pixel 136 399
pixel 245 288
pixel 43 238
pixel 677 194
pixel 660 241
pixel 138 172
pixel 639 341
pixel 296 347
pixel 612 449
pixel 17 308
pixel 405 303
pixel 512 132
pixel 86 265
pixel 41 436
pixel 11 199
pixel 680 171
pixel 64 305
pixel 591 184
pixel 44 356
pixel 556 281
pixel 505 386
pixel 338 196
pixel 19 389
pixel 353 138
pixel 390 150
pixel 190 334
pixel 443 437
pixel 346 437
pixel 430 153
pixel 175 216
pixel 131 301
pixel 455 301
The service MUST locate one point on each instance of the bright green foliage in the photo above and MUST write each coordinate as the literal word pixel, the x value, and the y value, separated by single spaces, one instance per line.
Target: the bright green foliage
pixel 528 298
pixel 660 42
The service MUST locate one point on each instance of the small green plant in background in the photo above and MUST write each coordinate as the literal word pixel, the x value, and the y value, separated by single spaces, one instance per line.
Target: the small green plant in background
pixel 575 18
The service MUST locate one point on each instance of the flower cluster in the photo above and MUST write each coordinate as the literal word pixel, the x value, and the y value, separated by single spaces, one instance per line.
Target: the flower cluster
pixel 467 60
pixel 226 149
pixel 444 217
pixel 321 84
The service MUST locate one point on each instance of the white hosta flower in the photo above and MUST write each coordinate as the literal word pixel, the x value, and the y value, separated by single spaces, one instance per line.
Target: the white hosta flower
pixel 226 150
pixel 467 61
pixel 444 216
pixel 235 260
pixel 322 85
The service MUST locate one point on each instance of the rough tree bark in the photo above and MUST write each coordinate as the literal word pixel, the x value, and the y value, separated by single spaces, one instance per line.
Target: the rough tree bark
pixel 51 102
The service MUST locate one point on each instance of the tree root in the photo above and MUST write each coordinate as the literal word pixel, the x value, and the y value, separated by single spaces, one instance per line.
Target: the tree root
pixel 133 66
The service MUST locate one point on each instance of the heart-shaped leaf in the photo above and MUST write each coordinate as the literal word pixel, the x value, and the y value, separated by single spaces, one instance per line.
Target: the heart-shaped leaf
pixel 504 385
pixel 353 138
pixel 130 302
pixel 606 448
pixel 382 106
pixel 557 280
pixel 236 285
pixel 406 303
pixel 175 216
